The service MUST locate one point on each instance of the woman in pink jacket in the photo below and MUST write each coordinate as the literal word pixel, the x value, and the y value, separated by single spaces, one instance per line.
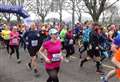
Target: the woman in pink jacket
pixel 14 43
pixel 52 53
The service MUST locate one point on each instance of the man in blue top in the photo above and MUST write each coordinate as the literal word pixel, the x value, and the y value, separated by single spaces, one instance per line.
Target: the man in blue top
pixel 85 37
pixel 33 42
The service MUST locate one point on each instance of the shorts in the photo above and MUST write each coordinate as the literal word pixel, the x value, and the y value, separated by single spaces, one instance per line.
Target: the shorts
pixel 118 73
pixel 93 53
pixel 33 51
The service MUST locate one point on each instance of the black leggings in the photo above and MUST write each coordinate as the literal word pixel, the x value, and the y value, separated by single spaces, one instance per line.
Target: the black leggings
pixel 70 50
pixel 85 45
pixel 53 75
pixel 7 45
pixel 22 43
pixel 13 49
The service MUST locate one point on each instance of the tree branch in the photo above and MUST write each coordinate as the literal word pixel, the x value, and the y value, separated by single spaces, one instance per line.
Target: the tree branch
pixel 111 5
pixel 102 6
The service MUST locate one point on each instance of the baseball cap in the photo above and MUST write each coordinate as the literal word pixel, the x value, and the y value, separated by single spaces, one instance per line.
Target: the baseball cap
pixel 53 31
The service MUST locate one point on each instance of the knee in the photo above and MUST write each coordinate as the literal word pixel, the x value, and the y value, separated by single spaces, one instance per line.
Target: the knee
pixel 33 59
pixel 54 77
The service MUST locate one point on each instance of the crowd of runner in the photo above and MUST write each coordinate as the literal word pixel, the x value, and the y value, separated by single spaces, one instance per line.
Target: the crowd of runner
pixel 50 41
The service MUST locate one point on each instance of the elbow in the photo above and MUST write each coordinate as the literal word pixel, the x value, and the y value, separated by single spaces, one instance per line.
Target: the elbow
pixel 40 51
pixel 113 59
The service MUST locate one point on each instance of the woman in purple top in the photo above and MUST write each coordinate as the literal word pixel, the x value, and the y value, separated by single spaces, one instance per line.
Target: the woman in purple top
pixel 51 51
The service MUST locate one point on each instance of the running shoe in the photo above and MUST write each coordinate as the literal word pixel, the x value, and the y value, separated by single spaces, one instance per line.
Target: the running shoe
pixel 10 56
pixel 66 60
pixel 103 79
pixel 29 66
pixel 18 61
pixel 81 64
pixel 36 72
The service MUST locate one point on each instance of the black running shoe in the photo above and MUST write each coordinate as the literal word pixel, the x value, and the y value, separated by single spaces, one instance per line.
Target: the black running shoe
pixel 29 66
pixel 81 64
pixel 37 74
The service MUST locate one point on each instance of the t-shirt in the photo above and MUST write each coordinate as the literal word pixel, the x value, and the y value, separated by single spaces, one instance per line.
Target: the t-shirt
pixel 116 41
pixel 32 39
pixel 53 53
pixel 117 55
pixel 43 36
pixel 63 34
pixel 86 34
pixel 69 35
pixel 6 34
pixel 14 38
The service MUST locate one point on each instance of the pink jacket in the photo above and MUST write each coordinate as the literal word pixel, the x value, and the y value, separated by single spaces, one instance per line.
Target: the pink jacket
pixel 14 38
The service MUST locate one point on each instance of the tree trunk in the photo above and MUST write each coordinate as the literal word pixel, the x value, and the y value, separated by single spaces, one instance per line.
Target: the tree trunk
pixel 103 19
pixel 95 18
pixel 18 19
pixel 8 20
pixel 73 14
pixel 60 16
pixel 79 18
pixel 110 20
pixel 60 8
pixel 43 19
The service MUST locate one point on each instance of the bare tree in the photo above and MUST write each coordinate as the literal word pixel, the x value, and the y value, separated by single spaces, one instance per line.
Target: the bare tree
pixel 80 7
pixel 43 7
pixel 61 3
pixel 76 8
pixel 96 7
pixel 73 11
pixel 20 3
pixel 113 13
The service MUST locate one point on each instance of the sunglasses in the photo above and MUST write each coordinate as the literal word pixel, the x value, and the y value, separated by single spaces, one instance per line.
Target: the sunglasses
pixel 54 33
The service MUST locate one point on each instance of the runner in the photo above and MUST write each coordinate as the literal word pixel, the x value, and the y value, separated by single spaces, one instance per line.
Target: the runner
pixel 6 36
pixel 21 30
pixel 85 38
pixel 62 36
pixel 51 51
pixel 94 49
pixel 77 32
pixel 116 60
pixel 69 45
pixel 33 43
pixel 14 43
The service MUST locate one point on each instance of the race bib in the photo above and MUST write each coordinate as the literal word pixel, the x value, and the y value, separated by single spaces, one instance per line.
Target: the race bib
pixel 56 57
pixel 34 42
pixel 71 41
pixel 15 41
pixel 74 34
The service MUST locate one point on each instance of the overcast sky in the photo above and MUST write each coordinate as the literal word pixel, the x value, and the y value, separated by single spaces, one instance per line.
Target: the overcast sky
pixel 85 16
